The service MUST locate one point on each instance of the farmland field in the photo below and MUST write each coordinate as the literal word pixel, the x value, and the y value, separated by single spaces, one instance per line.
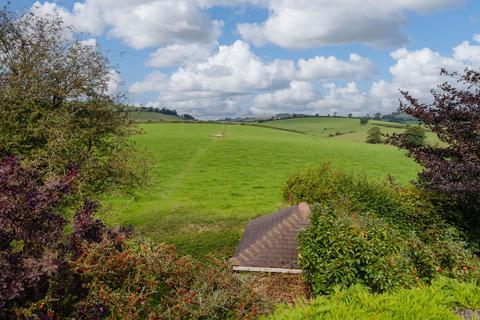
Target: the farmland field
pixel 350 129
pixel 204 189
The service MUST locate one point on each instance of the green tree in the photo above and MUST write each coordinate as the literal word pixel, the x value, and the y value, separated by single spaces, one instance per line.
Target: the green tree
pixel 415 136
pixel 56 106
pixel 364 120
pixel 374 135
pixel 350 115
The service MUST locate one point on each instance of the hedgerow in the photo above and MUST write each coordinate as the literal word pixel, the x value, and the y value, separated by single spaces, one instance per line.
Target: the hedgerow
pixel 408 209
pixel 143 280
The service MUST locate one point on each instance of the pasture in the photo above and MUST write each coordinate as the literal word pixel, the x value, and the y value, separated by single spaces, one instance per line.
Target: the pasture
pixel 203 189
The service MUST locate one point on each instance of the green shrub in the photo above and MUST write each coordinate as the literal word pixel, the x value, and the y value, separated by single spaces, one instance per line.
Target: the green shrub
pixel 414 135
pixel 443 300
pixel 408 209
pixel 364 120
pixel 374 135
pixel 342 249
pixel 379 235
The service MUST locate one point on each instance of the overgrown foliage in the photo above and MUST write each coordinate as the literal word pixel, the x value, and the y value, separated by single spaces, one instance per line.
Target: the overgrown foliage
pixel 34 251
pixel 57 108
pixel 96 272
pixel 406 208
pixel 146 281
pixel 31 226
pixel 380 235
pixel 454 116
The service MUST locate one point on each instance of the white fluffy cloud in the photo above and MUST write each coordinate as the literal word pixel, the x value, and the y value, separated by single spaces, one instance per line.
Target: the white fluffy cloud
pixel 114 83
pixel 467 52
pixel 84 17
pixel 291 23
pixel 92 42
pixel 139 23
pixel 232 70
pixel 417 72
pixel 295 98
pixel 234 79
pixel 348 99
pixel 313 23
pixel 235 71
pixel 157 23
pixel 328 68
pixel 177 55
pixel 214 80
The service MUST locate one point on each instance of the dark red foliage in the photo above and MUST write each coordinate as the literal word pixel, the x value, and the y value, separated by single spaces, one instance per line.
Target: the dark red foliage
pixel 30 229
pixel 87 229
pixel 35 254
pixel 454 115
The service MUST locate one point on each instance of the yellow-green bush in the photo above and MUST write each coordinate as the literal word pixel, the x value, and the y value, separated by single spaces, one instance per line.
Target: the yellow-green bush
pixel 443 300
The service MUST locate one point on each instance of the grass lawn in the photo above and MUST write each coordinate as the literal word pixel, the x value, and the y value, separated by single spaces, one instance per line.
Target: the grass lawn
pixel 204 189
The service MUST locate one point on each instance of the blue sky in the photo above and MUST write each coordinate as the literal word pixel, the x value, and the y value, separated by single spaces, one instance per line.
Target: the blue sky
pixel 216 58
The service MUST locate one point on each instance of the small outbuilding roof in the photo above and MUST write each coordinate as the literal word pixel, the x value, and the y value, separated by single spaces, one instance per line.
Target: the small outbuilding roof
pixel 269 243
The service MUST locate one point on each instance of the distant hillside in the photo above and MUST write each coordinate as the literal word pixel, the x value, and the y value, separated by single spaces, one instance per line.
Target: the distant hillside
pixel 146 116
pixel 392 118
pixel 339 128
pixel 319 126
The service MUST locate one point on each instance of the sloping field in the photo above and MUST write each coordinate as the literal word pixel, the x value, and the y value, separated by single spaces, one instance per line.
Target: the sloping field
pixel 319 126
pixel 350 129
pixel 204 189
pixel 137 116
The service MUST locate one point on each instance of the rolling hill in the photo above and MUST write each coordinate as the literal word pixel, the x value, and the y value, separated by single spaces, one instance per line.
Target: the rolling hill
pixel 138 116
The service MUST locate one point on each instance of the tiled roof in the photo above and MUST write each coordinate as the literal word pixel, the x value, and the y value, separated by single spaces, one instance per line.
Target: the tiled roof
pixel 269 242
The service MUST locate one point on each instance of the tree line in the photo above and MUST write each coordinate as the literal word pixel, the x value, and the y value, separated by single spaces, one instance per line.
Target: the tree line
pixel 171 112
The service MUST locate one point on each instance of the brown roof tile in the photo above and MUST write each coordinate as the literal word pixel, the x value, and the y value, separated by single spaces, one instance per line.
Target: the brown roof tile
pixel 270 241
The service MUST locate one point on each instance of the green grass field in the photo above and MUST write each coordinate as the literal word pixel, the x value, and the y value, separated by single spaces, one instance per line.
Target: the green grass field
pixel 204 189
pixel 321 126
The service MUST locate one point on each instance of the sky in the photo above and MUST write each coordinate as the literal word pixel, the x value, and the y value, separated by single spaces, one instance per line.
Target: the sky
pixel 229 58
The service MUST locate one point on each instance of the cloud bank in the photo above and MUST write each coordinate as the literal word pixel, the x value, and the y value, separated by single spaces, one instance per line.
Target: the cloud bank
pixel 191 72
